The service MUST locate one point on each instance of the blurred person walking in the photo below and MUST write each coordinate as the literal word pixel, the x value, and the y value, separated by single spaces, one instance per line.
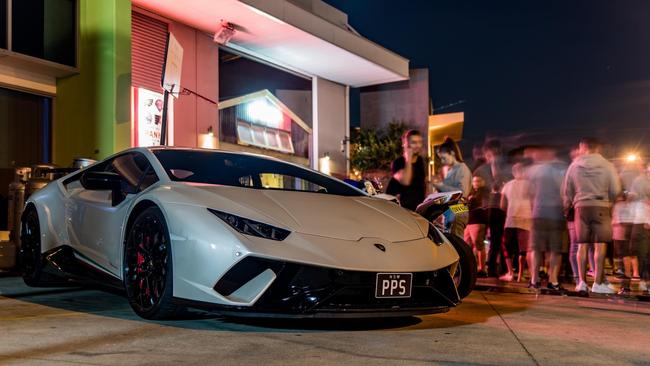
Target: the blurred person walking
pixel 495 172
pixel 548 228
pixel 626 264
pixel 622 223
pixel 496 219
pixel 640 236
pixel 515 201
pixel 573 239
pixel 590 187
pixel 495 169
pixel 477 202
pixel 478 157
pixel 408 181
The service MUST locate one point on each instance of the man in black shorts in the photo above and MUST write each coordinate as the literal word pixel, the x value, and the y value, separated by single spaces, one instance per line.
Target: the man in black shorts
pixel 590 187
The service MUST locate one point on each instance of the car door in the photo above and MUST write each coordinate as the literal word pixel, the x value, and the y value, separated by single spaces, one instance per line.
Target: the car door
pixel 95 224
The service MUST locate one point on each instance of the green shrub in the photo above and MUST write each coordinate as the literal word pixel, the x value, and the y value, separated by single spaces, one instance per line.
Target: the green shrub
pixel 375 149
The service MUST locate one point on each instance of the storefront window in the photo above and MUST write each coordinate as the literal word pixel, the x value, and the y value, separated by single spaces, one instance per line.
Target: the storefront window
pixel 264 108
pixel 45 29
pixel 24 137
pixel 275 128
pixel 3 23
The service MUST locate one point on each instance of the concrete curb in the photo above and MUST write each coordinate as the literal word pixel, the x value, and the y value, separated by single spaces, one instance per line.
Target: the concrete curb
pixel 567 292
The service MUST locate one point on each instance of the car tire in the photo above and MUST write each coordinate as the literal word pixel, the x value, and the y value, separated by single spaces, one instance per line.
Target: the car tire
pixel 148 267
pixel 465 277
pixel 30 257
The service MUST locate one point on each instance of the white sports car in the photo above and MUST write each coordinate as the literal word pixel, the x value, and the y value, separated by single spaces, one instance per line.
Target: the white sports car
pixel 234 233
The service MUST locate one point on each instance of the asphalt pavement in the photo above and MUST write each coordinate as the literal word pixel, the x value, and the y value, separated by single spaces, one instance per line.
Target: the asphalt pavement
pixel 89 327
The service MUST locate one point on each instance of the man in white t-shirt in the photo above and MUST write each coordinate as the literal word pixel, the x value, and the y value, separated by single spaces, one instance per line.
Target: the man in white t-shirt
pixel 626 263
pixel 640 236
pixel 515 201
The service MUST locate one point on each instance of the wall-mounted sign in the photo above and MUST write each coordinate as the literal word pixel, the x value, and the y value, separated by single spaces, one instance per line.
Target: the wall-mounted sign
pixel 262 112
pixel 148 107
pixel 171 78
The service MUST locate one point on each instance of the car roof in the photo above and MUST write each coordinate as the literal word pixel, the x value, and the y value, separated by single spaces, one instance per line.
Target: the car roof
pixel 198 149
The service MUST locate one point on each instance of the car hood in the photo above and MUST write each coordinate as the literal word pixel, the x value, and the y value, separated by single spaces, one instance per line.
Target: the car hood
pixel 340 217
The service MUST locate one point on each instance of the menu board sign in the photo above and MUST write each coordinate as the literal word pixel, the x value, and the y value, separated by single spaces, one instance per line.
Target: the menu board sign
pixel 171 79
pixel 148 117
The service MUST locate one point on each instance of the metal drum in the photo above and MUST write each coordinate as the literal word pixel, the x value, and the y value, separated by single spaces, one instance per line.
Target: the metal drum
pixel 16 201
pixel 81 163
pixel 28 180
pixel 42 174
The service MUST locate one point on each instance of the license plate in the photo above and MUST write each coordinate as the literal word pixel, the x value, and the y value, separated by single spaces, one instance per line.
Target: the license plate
pixel 392 285
pixel 459 208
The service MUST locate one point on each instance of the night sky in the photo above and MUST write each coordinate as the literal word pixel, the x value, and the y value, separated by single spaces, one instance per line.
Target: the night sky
pixel 549 69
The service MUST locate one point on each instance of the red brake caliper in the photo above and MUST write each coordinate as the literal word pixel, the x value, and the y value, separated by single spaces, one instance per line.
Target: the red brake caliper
pixel 140 261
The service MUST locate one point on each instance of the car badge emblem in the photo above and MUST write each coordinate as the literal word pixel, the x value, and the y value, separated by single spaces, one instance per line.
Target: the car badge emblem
pixel 380 247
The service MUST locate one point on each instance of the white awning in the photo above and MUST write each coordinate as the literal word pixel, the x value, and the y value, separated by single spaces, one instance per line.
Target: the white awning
pixel 283 33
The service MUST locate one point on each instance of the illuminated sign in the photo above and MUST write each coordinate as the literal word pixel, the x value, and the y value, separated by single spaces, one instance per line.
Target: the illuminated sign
pixel 146 117
pixel 265 137
pixel 262 112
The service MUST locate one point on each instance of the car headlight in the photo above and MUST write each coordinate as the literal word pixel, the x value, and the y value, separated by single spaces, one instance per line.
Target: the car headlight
pixel 434 235
pixel 250 227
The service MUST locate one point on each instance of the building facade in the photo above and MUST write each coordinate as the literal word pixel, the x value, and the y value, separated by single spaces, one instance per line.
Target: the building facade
pixel 84 80
pixel 408 102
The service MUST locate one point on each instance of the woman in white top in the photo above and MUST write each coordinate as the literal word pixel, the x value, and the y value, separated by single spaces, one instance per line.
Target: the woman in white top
pixel 640 193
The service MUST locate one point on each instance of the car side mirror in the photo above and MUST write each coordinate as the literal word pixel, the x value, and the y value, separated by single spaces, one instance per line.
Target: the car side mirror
pixel 104 181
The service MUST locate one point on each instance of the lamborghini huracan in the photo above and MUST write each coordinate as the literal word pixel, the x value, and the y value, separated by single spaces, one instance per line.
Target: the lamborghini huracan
pixel 237 234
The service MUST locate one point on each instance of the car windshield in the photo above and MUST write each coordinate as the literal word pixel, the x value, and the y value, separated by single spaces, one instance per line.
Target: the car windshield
pixel 246 171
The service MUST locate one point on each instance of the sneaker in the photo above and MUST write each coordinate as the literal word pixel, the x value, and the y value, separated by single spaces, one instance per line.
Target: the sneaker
pixel 506 277
pixel 555 287
pixel 619 273
pixel 481 274
pixel 643 286
pixel 609 284
pixel 582 287
pixel 534 286
pixel 624 291
pixel 602 289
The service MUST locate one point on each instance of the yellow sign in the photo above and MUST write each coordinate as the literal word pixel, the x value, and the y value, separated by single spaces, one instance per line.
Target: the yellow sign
pixel 459 208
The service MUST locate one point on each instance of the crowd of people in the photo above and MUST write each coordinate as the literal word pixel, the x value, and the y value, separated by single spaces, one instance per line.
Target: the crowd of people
pixel 563 220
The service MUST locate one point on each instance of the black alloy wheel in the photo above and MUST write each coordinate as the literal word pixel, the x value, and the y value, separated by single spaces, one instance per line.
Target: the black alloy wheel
pixel 29 256
pixel 465 276
pixel 148 266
